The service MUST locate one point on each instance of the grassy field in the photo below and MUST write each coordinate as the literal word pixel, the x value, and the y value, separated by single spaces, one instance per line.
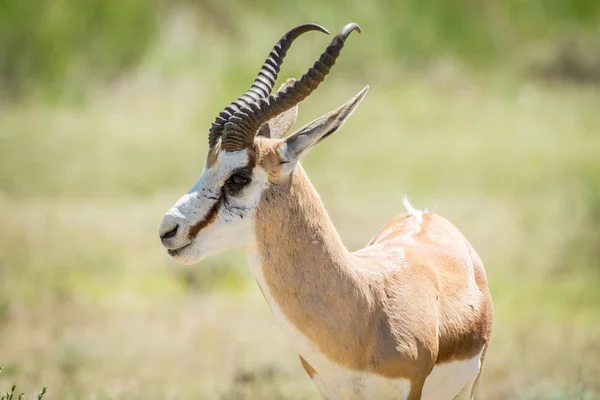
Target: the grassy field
pixel 93 308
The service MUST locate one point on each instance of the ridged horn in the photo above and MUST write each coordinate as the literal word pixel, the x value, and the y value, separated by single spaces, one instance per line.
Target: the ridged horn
pixel 264 82
pixel 242 126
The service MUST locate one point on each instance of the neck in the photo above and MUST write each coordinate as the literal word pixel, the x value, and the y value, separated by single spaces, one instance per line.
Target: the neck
pixel 294 229
pixel 307 271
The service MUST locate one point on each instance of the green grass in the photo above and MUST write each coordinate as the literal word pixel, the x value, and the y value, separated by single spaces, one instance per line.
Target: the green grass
pixel 92 307
pixel 54 47
pixel 63 49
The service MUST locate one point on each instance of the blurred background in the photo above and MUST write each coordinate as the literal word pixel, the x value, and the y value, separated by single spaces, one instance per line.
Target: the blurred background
pixel 487 112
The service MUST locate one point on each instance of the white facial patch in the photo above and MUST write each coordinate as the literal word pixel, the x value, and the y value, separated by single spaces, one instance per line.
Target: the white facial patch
pixel 210 220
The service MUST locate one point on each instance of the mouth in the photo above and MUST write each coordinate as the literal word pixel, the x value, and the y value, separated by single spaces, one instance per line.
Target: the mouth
pixel 176 252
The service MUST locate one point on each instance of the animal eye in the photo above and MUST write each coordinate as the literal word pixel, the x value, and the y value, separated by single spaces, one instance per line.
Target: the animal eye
pixel 238 180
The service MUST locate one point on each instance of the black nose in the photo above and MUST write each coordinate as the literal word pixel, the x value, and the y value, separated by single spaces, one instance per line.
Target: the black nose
pixel 170 234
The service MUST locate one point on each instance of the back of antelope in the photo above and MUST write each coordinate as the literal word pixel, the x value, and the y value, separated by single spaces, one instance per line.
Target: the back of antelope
pixel 409 316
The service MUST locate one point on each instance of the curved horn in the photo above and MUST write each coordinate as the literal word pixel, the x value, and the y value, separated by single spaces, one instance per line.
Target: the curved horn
pixel 264 82
pixel 244 123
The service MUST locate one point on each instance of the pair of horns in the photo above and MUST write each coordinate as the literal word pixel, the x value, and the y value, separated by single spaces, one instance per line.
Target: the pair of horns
pixel 238 123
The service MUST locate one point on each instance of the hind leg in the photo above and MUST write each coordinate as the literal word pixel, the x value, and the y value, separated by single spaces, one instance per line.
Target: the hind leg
pixel 468 392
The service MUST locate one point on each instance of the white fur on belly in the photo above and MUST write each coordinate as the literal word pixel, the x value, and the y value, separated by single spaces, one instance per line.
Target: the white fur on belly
pixel 335 382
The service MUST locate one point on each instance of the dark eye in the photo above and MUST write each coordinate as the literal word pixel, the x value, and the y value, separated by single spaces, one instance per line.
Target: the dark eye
pixel 238 180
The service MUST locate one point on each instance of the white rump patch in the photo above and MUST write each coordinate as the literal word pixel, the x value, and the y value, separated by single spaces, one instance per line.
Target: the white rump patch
pixel 448 380
pixel 418 214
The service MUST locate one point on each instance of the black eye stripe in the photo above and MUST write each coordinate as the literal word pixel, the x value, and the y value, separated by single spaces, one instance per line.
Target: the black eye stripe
pixel 245 172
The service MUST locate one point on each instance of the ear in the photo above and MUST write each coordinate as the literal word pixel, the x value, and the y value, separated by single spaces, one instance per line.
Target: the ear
pixel 277 127
pixel 300 141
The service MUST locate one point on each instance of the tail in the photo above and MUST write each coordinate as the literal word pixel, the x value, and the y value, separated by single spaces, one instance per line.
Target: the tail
pixel 418 214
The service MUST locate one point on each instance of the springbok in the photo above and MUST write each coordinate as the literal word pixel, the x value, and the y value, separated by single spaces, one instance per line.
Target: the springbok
pixel 407 317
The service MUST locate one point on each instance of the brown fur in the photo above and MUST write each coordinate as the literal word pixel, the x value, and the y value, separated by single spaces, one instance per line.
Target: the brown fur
pixel 213 155
pixel 358 311
pixel 209 219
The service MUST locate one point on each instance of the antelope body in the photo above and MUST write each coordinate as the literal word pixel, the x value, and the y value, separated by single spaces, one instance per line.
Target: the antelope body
pixel 409 316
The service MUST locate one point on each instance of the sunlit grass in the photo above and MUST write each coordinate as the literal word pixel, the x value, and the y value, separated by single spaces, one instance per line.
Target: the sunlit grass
pixel 83 191
pixel 92 307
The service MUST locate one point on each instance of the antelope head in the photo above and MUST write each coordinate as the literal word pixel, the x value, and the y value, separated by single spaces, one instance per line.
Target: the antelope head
pixel 248 152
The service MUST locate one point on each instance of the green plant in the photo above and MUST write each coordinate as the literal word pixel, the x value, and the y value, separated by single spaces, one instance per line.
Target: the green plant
pixel 9 395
